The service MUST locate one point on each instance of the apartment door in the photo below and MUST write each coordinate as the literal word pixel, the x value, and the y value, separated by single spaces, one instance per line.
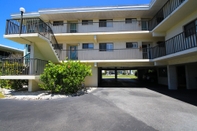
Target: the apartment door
pixel 146 51
pixel 73 53
pixel 73 27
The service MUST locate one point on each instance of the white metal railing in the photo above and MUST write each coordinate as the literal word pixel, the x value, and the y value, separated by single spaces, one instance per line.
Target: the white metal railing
pixel 96 54
pixel 95 27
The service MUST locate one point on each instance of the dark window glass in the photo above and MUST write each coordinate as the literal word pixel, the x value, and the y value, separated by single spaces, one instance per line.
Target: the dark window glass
pixel 130 20
pixel 106 47
pixel 106 23
pixel 102 47
pixel 190 29
pixel 131 45
pixel 58 23
pixel 87 22
pixel 102 23
pixel 88 46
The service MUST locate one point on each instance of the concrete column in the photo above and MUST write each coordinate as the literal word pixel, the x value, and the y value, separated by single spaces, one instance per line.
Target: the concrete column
pixel 31 62
pixel 33 85
pixel 172 77
pixel 64 52
pixel 191 74
pixel 116 75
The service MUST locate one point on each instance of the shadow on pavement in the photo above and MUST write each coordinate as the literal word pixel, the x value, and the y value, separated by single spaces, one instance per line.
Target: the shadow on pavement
pixel 188 96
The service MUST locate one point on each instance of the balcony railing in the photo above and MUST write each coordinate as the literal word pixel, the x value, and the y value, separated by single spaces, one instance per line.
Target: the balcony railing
pixel 164 12
pixel 183 41
pixel 100 27
pixel 32 25
pixel 96 54
pixel 31 66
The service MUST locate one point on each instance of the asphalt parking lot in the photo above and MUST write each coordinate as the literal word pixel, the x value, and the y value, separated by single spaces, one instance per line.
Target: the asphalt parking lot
pixel 105 109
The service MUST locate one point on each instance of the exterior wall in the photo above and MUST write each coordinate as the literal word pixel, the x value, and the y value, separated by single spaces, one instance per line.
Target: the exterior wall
pixel 178 28
pixel 9 52
pixel 191 76
pixel 92 81
pixel 118 24
pixel 120 51
pixel 133 53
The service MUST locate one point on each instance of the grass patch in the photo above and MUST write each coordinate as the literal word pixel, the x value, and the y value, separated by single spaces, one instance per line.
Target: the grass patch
pixel 120 76
pixel 127 76
pixel 1 95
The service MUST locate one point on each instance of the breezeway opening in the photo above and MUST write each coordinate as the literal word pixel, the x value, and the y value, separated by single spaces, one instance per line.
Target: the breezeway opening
pixel 125 77
pixel 117 77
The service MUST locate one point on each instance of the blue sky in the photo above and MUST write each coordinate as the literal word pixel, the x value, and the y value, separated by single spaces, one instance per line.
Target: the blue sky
pixel 9 7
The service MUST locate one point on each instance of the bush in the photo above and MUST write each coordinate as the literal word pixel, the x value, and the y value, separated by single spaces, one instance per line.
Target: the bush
pixel 66 77
pixel 9 69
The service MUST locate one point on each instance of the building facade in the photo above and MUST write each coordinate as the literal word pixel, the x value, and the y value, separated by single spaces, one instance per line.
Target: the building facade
pixel 10 52
pixel 161 35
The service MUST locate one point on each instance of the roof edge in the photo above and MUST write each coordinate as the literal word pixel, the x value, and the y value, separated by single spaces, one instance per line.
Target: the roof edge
pixel 11 48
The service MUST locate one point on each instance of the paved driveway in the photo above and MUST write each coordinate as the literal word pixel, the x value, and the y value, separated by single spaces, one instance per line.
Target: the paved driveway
pixel 109 109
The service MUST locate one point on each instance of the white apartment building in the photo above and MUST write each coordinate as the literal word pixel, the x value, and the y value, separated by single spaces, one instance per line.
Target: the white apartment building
pixel 161 35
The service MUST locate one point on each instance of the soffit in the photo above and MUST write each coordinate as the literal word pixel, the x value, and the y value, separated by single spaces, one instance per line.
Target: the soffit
pixel 134 13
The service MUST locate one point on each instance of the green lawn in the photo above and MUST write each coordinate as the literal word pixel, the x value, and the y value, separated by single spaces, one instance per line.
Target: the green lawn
pixel 1 95
pixel 120 76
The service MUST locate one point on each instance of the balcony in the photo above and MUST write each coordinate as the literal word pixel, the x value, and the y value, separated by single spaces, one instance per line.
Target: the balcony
pixel 30 66
pixel 164 12
pixel 29 27
pixel 181 42
pixel 96 54
pixel 112 26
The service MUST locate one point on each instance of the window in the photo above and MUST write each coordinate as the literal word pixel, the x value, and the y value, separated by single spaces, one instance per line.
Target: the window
pixel 58 23
pixel 55 46
pixel 190 28
pixel 87 22
pixel 162 71
pixel 88 46
pixel 130 20
pixel 106 47
pixel 131 45
pixel 106 23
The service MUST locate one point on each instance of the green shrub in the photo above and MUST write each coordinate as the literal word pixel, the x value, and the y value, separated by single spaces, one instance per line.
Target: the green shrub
pixel 10 69
pixel 66 77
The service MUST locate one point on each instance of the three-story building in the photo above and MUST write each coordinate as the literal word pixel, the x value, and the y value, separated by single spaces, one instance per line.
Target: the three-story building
pixel 160 35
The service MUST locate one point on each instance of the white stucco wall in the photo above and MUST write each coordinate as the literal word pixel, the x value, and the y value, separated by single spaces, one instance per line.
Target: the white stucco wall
pixel 92 81
pixel 178 28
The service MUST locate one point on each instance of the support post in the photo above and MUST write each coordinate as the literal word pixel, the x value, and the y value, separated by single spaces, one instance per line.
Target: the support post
pixel 172 77
pixel 21 24
pixel 116 75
